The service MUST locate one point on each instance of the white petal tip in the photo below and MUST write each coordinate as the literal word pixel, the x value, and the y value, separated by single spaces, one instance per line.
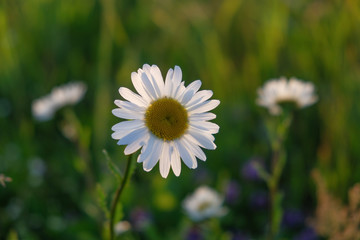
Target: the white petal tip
pixel 164 175
pixel 146 65
pixel 127 152
pixel 113 136
pixel 147 169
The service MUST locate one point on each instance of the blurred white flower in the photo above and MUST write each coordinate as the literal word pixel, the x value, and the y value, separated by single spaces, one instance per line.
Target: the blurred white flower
pixel 121 227
pixel 70 93
pixel 167 120
pixel 44 108
pixel 204 203
pixel 277 91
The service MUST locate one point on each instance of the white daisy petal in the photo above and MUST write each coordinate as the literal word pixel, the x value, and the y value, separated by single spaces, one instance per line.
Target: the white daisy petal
pixel 177 76
pixel 126 125
pixel 156 73
pixel 179 91
pixel 136 145
pixel 206 126
pixel 147 149
pixel 205 140
pixel 168 82
pixel 167 121
pixel 120 134
pixel 132 97
pixel 165 159
pixel 123 113
pixel 149 86
pixel 185 154
pixel 129 106
pixel 148 71
pixel 176 81
pixel 139 158
pixel 190 91
pixel 153 158
pixel 204 107
pixel 199 97
pixel 202 116
pixel 190 144
pixel 175 160
pixel 125 131
pixel 132 136
pixel 137 82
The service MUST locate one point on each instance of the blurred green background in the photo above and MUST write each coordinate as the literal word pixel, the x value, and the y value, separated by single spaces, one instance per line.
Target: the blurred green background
pixel 233 46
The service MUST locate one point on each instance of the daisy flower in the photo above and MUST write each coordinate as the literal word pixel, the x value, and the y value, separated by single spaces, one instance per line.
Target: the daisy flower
pixel 204 203
pixel 122 227
pixel 44 108
pixel 167 120
pixel 277 91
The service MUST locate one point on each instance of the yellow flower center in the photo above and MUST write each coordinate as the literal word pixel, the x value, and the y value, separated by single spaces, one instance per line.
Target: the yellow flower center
pixel 166 118
pixel 203 206
pixel 290 102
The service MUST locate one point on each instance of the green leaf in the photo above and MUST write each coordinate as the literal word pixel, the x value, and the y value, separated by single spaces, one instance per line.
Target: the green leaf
pixel 113 168
pixel 102 200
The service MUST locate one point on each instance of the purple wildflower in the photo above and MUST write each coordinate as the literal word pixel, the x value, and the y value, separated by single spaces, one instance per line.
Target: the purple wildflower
pixel 293 218
pixel 232 192
pixel 249 171
pixel 307 234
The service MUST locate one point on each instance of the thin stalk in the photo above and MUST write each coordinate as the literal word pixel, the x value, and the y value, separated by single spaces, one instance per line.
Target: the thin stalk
pixel 273 189
pixel 272 231
pixel 277 166
pixel 117 196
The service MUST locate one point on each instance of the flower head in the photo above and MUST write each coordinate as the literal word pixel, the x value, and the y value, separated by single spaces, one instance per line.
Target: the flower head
pixel 277 91
pixel 232 192
pixel 204 203
pixel 167 120
pixel 44 108
pixel 194 233
pixel 140 218
pixel 307 234
pixel 122 227
pixel 249 169
pixel 293 218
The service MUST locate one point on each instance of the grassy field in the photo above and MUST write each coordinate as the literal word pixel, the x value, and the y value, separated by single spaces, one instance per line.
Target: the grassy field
pixel 233 46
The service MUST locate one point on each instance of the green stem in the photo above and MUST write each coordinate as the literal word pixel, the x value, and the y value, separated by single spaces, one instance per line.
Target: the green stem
pixel 117 196
pixel 277 166
pixel 278 162
pixel 272 231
